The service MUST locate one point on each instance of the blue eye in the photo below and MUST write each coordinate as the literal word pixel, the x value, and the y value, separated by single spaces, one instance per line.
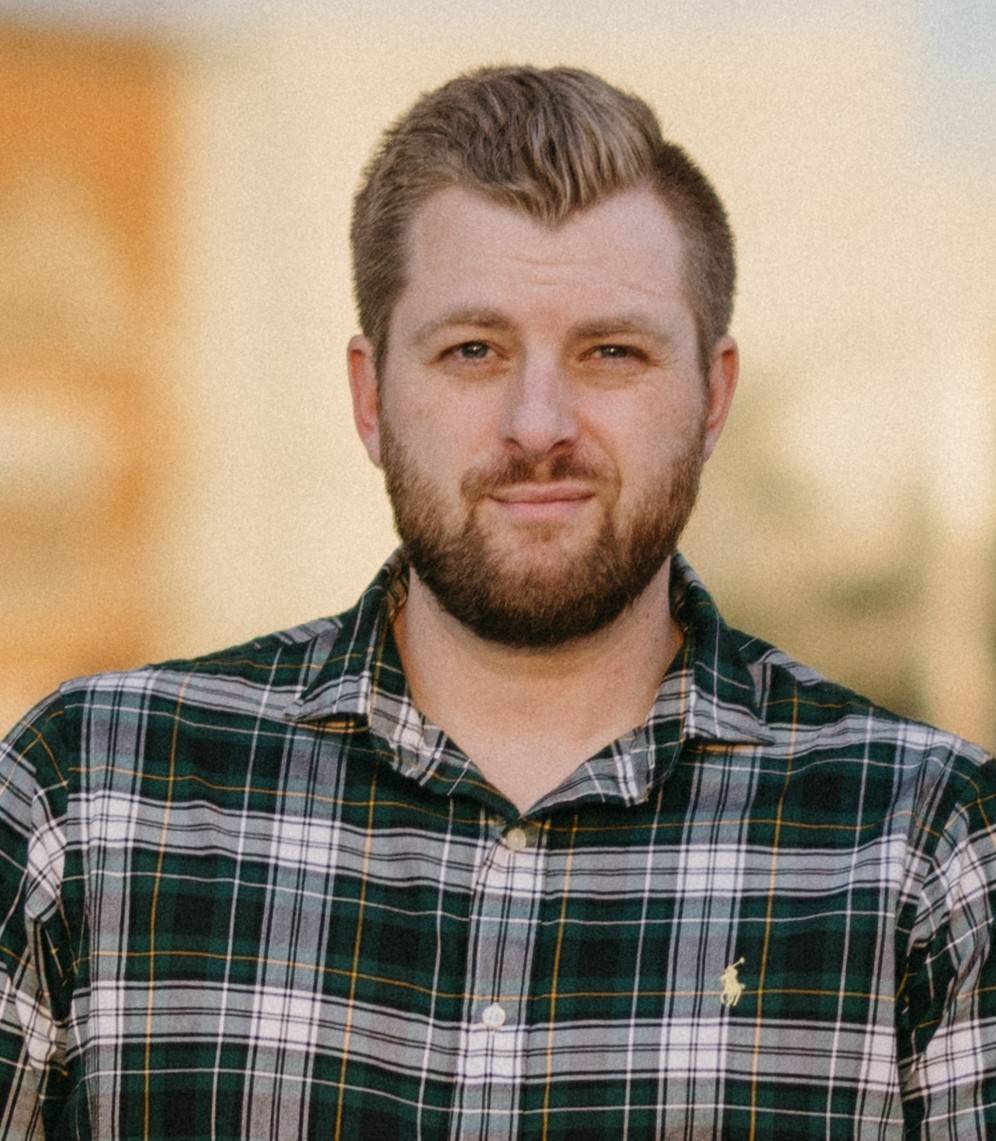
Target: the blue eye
pixel 473 350
pixel 614 352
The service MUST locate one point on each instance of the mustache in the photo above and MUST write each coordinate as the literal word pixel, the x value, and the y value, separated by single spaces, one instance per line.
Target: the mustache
pixel 514 470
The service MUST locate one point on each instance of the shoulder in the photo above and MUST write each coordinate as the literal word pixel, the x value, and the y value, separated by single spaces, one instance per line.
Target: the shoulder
pixel 257 678
pixel 803 726
pixel 793 695
pixel 274 664
pixel 818 720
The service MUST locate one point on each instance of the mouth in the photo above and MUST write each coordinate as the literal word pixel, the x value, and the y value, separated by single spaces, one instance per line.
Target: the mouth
pixel 543 502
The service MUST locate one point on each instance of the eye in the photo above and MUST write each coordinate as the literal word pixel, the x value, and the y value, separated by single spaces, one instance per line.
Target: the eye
pixel 472 360
pixel 471 351
pixel 615 352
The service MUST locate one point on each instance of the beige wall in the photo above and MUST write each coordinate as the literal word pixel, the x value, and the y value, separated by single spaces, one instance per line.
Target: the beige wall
pixel 849 515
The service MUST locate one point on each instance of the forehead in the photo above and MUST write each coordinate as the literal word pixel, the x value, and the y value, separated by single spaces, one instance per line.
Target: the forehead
pixel 624 252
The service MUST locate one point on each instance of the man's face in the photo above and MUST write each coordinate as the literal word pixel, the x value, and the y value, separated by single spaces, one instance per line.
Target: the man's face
pixel 542 417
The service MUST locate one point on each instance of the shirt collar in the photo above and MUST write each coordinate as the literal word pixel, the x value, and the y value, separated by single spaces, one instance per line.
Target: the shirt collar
pixel 709 693
pixel 723 692
pixel 358 660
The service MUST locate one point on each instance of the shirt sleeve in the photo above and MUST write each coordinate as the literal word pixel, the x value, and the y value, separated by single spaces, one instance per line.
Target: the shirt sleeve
pixel 35 948
pixel 946 1001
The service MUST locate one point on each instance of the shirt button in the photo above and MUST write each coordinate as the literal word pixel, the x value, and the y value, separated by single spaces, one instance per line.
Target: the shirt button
pixel 494 1016
pixel 515 839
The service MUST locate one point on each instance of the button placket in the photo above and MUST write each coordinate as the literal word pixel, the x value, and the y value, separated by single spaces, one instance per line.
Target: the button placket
pixel 507 894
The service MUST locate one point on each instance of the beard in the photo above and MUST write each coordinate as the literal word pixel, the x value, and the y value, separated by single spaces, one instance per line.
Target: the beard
pixel 559 594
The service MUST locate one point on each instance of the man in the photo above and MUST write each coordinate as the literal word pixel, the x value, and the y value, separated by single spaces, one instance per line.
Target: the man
pixel 529 843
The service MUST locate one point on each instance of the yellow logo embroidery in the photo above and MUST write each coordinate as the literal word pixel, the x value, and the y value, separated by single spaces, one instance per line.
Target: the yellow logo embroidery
pixel 733 988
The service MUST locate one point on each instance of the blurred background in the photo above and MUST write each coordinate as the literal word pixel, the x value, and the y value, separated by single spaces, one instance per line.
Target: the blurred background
pixel 178 469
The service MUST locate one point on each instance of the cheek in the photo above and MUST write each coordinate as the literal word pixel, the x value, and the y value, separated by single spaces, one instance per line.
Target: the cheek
pixel 648 451
pixel 443 421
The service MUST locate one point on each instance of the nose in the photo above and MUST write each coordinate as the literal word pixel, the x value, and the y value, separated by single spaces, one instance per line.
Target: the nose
pixel 540 415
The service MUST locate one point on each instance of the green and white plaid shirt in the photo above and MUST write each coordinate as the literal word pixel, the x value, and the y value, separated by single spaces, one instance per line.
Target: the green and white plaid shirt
pixel 255 895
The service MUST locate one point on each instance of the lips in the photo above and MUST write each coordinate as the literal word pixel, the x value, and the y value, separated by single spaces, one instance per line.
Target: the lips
pixel 542 503
pixel 541 493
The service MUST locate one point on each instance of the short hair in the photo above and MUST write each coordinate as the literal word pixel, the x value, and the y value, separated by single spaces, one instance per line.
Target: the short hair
pixel 548 142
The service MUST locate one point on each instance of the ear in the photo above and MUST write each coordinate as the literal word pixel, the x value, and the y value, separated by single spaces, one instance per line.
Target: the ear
pixel 724 368
pixel 366 397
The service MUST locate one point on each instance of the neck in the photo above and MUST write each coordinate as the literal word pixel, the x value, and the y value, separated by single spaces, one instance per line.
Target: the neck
pixel 528 717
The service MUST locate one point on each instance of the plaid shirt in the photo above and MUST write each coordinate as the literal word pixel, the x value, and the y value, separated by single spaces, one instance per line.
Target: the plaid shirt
pixel 257 895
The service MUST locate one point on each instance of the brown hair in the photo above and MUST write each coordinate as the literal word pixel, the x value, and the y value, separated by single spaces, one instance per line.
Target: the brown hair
pixel 547 142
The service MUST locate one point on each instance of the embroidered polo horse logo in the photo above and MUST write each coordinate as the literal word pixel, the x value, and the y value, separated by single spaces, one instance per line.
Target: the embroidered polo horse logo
pixel 733 988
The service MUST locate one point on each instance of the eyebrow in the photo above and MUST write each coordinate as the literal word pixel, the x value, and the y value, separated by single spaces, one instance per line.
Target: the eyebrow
pixel 621 323
pixel 493 319
pixel 478 318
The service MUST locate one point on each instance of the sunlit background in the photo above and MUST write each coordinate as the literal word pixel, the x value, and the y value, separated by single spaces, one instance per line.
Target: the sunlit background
pixel 178 469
